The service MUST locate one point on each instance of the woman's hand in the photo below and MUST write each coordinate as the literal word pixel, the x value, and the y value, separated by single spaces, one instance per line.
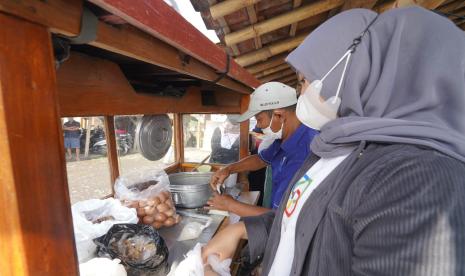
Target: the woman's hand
pixel 219 177
pixel 225 242
pixel 220 202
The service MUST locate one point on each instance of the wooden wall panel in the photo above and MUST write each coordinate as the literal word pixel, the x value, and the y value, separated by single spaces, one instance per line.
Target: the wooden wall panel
pixel 89 86
pixel 36 230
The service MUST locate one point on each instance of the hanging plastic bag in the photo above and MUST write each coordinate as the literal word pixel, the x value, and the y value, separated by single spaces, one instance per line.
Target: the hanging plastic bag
pixel 148 192
pixel 93 218
pixel 102 266
pixel 140 248
pixel 193 265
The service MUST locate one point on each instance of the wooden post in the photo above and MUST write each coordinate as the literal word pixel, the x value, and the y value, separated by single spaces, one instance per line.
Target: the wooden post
pixel 281 21
pixel 112 149
pixel 36 230
pixel 269 51
pixel 179 138
pixel 86 151
pixel 229 6
pixel 244 129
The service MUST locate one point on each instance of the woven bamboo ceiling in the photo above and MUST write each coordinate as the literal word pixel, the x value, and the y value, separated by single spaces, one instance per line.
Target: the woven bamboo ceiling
pixel 260 33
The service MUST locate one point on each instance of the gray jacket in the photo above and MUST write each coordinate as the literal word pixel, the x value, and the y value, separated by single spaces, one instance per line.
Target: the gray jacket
pixel 385 210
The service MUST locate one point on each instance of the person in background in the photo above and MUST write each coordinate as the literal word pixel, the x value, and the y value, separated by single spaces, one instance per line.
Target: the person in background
pixel 285 155
pixel 383 192
pixel 225 142
pixel 72 133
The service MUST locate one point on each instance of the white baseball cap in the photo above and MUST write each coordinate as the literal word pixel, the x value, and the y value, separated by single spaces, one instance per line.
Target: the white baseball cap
pixel 269 96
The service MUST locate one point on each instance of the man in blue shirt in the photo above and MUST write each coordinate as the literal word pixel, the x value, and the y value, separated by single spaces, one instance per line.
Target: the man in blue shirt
pixel 285 155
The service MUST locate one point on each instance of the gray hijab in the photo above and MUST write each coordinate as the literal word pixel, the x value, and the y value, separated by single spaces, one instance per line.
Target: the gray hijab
pixel 405 82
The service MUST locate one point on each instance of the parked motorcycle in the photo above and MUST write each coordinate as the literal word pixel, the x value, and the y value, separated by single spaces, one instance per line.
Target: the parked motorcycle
pixel 98 142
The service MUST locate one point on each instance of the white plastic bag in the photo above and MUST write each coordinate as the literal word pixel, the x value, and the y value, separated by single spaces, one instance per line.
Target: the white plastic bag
pixel 126 186
pixel 193 265
pixel 192 230
pixel 93 218
pixel 102 266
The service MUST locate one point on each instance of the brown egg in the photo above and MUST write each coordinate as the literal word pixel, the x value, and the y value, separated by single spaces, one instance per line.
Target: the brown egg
pixel 156 200
pixel 157 225
pixel 168 196
pixel 162 196
pixel 150 202
pixel 169 202
pixel 170 212
pixel 140 212
pixel 163 207
pixel 150 210
pixel 169 222
pixel 160 217
pixel 142 203
pixel 148 220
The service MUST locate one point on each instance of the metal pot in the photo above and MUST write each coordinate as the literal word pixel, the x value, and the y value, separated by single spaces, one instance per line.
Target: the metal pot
pixel 190 189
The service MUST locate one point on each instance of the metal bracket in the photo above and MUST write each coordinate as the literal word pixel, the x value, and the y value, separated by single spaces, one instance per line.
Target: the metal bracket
pixel 88 33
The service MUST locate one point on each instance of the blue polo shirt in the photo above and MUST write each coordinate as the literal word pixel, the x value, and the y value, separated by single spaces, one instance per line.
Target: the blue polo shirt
pixel 286 158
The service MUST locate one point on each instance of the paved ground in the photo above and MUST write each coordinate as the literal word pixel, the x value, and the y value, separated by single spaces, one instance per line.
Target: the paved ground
pixel 91 178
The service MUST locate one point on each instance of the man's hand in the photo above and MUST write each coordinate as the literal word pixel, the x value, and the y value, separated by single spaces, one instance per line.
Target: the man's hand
pixel 219 177
pixel 220 202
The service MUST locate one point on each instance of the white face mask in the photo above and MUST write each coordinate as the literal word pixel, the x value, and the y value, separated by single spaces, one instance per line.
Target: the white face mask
pixel 315 111
pixel 270 133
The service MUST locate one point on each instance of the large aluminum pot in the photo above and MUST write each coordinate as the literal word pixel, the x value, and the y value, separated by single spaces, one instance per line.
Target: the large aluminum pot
pixel 190 189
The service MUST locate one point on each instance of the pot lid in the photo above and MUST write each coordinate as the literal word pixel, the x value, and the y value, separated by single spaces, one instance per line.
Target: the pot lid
pixel 154 135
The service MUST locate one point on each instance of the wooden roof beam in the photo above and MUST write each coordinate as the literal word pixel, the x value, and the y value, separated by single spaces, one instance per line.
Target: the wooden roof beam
pixel 287 78
pixel 352 4
pixel 253 19
pixel 428 4
pixel 229 6
pixel 226 29
pixel 273 62
pixel 385 6
pixel 273 70
pixel 281 21
pixel 269 51
pixel 277 75
pixel 293 30
pixel 450 7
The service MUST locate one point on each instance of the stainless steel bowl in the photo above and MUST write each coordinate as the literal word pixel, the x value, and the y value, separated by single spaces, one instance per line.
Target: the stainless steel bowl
pixel 190 189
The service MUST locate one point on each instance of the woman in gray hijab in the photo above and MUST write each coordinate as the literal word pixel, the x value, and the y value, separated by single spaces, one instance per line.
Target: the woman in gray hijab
pixel 390 197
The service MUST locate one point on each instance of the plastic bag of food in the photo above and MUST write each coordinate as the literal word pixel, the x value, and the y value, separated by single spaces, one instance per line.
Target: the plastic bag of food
pixel 193 265
pixel 102 266
pixel 148 192
pixel 140 248
pixel 141 185
pixel 93 218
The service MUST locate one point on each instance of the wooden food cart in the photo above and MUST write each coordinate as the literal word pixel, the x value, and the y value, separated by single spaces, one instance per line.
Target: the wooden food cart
pixel 75 58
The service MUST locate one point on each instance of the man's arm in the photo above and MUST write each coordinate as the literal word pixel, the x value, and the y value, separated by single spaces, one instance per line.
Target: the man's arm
pixel 227 203
pixel 249 163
